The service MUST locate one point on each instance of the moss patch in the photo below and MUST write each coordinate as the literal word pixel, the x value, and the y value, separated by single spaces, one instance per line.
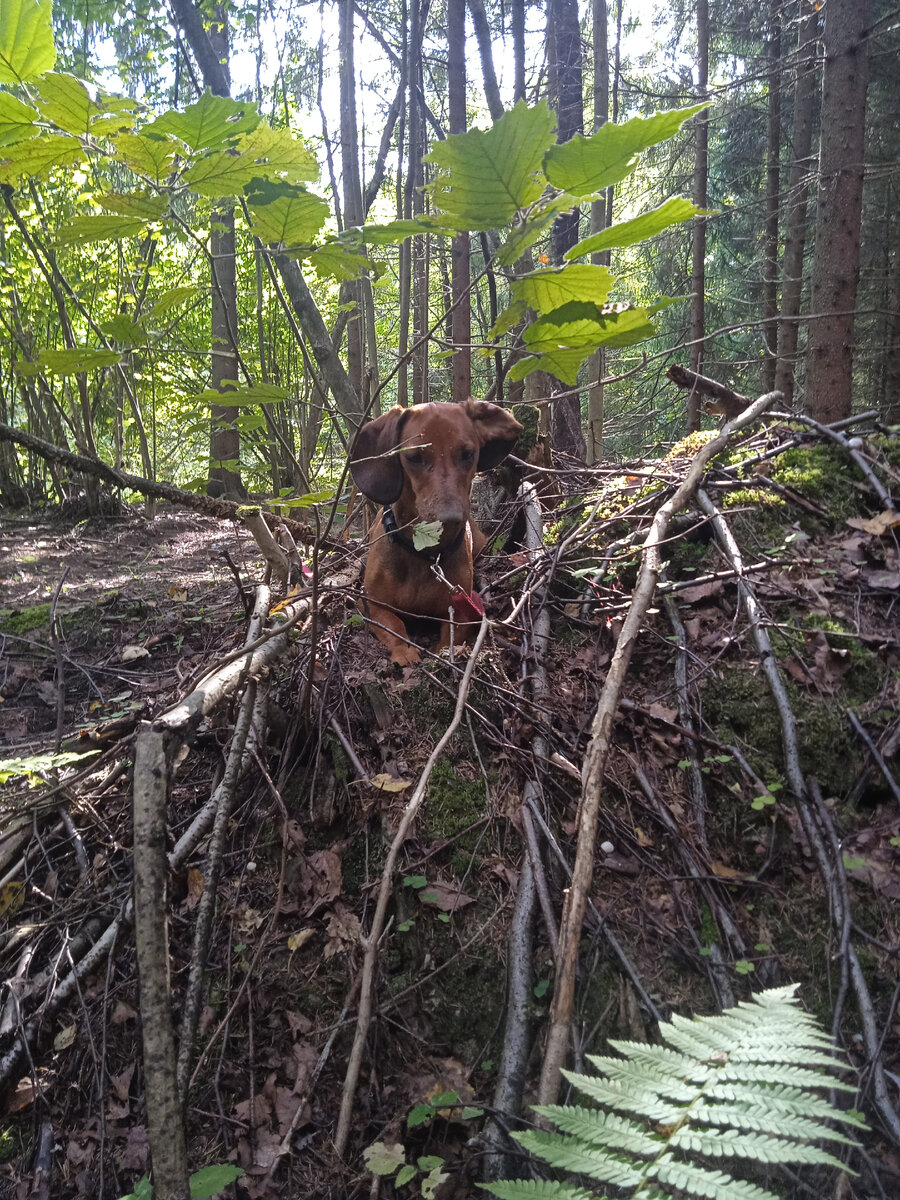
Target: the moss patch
pixel 24 620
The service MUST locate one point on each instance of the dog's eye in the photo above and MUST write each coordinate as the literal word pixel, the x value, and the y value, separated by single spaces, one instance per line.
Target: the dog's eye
pixel 467 455
pixel 415 458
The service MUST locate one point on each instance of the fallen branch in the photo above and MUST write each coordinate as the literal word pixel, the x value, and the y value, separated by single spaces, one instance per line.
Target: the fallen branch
pixel 165 1113
pixel 226 510
pixel 598 747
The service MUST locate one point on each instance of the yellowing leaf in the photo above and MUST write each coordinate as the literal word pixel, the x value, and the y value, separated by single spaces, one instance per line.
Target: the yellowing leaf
pixel 12 897
pixel 296 940
pixel 387 783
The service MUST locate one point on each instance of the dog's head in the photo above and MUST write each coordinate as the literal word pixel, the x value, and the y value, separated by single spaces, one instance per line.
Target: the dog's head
pixel 431 452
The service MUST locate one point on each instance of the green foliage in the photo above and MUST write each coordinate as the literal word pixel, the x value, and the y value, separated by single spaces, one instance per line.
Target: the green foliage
pixel 516 175
pixel 36 767
pixel 205 1183
pixel 26 40
pixel 736 1086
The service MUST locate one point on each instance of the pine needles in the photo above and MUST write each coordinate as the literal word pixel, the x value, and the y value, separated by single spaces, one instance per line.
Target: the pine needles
pixel 739 1086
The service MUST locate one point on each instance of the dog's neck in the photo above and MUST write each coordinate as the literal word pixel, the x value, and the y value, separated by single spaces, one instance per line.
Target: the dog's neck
pixel 430 553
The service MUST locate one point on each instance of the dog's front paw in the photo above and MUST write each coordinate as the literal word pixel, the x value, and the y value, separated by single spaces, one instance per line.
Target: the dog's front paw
pixel 405 655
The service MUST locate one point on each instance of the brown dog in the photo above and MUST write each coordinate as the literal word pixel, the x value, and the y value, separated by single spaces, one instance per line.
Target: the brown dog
pixel 419 464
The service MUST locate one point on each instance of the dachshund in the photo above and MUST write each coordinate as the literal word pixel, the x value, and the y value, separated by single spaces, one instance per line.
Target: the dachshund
pixel 419 464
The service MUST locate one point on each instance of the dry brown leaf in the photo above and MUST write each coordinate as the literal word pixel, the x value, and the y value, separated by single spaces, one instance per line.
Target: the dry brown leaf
pixel 877 525
pixel 446 897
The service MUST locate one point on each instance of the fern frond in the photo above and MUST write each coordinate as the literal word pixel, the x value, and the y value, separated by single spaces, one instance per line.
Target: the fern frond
pixel 734 1143
pixel 711 1185
pixel 621 1096
pixel 734 1086
pixel 785 1073
pixel 603 1129
pixel 675 1086
pixel 757 1118
pixel 569 1154
pixel 536 1189
pixel 780 1098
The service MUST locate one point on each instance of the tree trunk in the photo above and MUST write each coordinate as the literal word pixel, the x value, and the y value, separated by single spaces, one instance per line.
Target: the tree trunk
pixel 210 45
pixel 564 40
pixel 829 353
pixel 797 192
pixel 461 311
pixel 594 440
pixel 773 183
pixel 488 74
pixel 351 291
pixel 698 249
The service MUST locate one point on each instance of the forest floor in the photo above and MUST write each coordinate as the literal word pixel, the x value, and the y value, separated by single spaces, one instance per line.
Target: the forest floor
pixel 144 607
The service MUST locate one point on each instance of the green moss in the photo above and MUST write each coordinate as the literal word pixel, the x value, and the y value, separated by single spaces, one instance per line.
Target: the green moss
pixel 454 803
pixel 24 620
pixel 468 1001
pixel 825 475
pixel 740 708
pixel 11 1146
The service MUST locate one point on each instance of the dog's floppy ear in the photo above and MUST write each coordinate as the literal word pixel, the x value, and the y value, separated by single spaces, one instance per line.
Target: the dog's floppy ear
pixel 498 429
pixel 376 472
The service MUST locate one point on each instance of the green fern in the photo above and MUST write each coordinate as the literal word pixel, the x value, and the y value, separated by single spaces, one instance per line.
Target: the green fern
pixel 735 1086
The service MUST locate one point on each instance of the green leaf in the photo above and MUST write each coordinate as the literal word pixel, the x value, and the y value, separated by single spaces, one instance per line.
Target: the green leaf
pixel 584 165
pixel 277 155
pixel 395 231
pixel 79 358
pixel 444 1100
pixel 16 119
pixel 123 329
pixel 65 101
pixel 174 298
pixel 98 229
pixel 257 393
pixel 210 124
pixel 427 533
pixel 485 176
pixel 404 1175
pixel 209 1181
pixel 419 1115
pixel 39 764
pixel 334 261
pixel 220 174
pixel 152 157
pixel 134 204
pixel 285 214
pixel 428 1162
pixel 627 233
pixel 563 364
pixel 545 291
pixel 37 155
pixel 513 313
pixel 537 1189
pixel 26 40
pixel 382 1158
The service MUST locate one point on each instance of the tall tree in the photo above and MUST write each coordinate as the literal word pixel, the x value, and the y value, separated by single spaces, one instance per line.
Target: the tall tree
pixel 599 221
pixel 351 291
pixel 773 176
pixel 565 74
pixel 796 193
pixel 700 185
pixel 461 311
pixel 210 44
pixel 835 276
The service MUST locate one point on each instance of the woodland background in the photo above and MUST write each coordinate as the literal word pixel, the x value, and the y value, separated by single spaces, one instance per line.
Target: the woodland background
pixel 225 241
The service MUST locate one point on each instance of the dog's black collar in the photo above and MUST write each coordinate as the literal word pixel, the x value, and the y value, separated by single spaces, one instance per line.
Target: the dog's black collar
pixel 392 529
